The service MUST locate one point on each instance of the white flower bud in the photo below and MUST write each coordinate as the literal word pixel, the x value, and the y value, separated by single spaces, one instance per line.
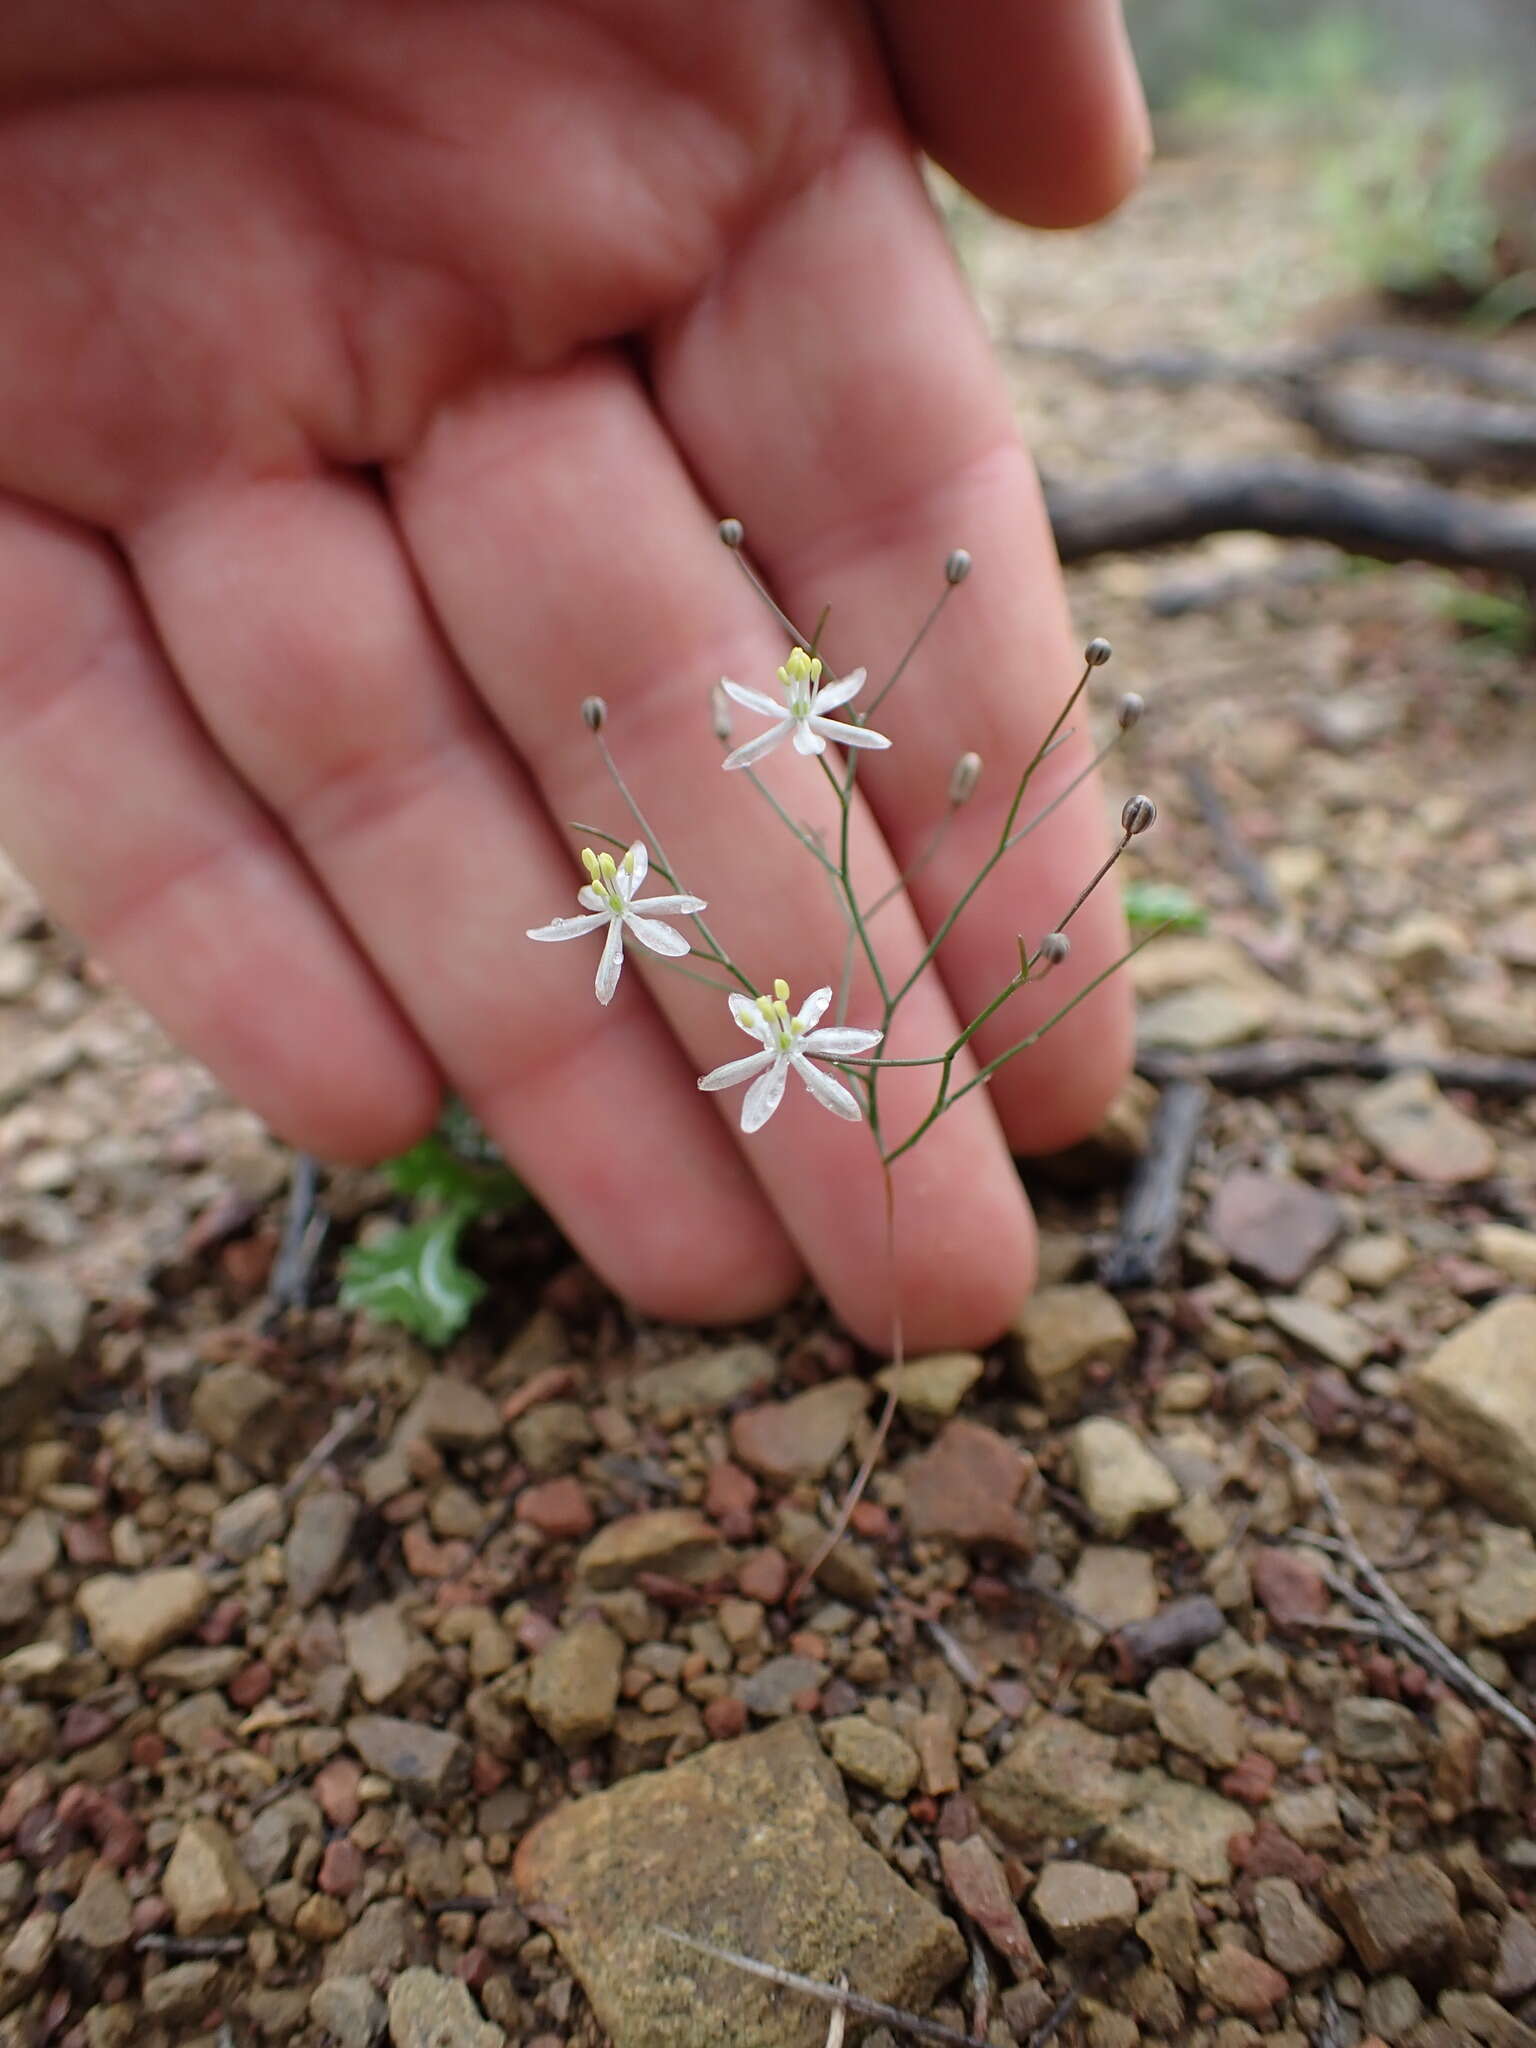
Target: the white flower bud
pixel 594 712
pixel 1054 948
pixel 1138 815
pixel 958 567
pixel 1097 652
pixel 732 532
pixel 1131 708
pixel 963 780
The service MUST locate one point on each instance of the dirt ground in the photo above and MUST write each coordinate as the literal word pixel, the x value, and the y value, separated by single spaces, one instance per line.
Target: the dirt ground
pixel 1077 1730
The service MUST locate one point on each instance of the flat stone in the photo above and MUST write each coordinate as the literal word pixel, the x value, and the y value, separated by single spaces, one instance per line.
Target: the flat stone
pixel 775 1688
pixel 205 1884
pixel 318 1544
pixel 553 1437
pixel 389 1659
pixel 677 1543
pixel 931 1389
pixel 1170 1825
pixel 1476 1396
pixel 241 1409
pixel 131 1618
pixel 1488 1022
pixel 97 1925
pixel 799 1438
pixel 1193 1718
pixel 1290 1586
pixel 1512 1252
pixel 1272 1226
pixel 1514 1971
pixel 1499 1604
pixel 1205 1019
pixel 1059 1779
pixel 1234 1980
pixel 1375 1259
pixel 42 1320
pixel 447 1413
pixel 871 1754
pixel 1399 1913
pixel 248 1523
pixel 387 1937
pixel 703 1383
pixel 847 1571
pixel 1422 1135
pixel 1061 1333
pixel 1085 1910
pixel 1391 2008
pixel 1295 1938
pixel 971 1486
pixel 1373 1731
pixel 428 2010
pixel 977 1882
pixel 750 1843
pixel 34 1546
pixel 1119 1479
pixel 348 2009
pixel 1170 1929
pixel 429 1765
pixel 573 1686
pixel 1114 1584
pixel 1310 1817
pixel 1339 1338
pixel 1474 2016
pixel 183 1992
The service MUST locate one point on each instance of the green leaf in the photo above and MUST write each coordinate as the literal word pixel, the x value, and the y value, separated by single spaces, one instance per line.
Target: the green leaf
pixel 414 1277
pixel 434 1173
pixel 1163 903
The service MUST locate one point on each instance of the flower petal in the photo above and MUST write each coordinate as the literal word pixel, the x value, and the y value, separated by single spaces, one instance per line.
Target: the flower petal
pixel 736 1070
pixel 830 695
pixel 641 855
pixel 671 906
pixel 661 938
pixel 569 927
pixel 612 962
pixel 829 1093
pixel 839 1042
pixel 748 1016
pixel 814 1008
pixel 807 739
pixel 589 899
pixel 765 1095
pixel 847 735
pixel 754 750
pixel 753 700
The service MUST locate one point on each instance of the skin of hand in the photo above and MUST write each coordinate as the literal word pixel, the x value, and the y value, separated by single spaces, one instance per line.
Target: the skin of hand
pixel 372 375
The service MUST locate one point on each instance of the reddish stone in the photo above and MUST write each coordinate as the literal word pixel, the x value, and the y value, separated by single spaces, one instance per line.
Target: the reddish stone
pixel 117 1835
pixel 1269 1853
pixel 151 1914
pixel 1251 1779
pixel 969 1486
pixel 725 1718
pixel 84 1724
pixel 729 1490
pixel 405 1507
pixel 250 1684
pixel 335 1789
pixel 148 1750
pixel 341 1868
pixel 222 1623
pixel 556 1507
pixel 426 1559
pixel 805 1642
pixel 474 1968
pixel 806 1702
pixel 23 1796
pixel 548 1385
pixel 535 1632
pixel 870 1519
pixel 1382 1676
pixel 487 1773
pixel 88 1544
pixel 1290 1586
pixel 765 1577
pixel 424 1461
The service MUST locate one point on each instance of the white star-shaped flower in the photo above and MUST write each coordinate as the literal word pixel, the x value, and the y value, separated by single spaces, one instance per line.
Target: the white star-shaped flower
pixel 802 711
pixel 609 898
pixel 787 1042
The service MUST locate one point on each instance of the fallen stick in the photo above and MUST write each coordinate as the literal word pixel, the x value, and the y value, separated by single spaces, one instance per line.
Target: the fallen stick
pixel 1450 436
pixel 1277 1062
pixel 1149 1220
pixel 1390 520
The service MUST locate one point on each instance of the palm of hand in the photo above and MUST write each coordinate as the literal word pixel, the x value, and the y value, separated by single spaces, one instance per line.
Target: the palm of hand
pixel 374 371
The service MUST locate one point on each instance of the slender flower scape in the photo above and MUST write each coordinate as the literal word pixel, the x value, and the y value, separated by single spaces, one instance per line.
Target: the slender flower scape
pixel 610 899
pixel 787 1042
pixel 803 712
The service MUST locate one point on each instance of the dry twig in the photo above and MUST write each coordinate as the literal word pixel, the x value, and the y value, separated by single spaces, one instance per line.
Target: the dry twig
pixel 1278 1062
pixel 347 1423
pixel 1381 1607
pixel 1149 1219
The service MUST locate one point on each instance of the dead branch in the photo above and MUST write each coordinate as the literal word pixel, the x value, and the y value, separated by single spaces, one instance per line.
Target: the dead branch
pixel 1149 1220
pixel 1390 520
pixel 1279 1062
pixel 1450 436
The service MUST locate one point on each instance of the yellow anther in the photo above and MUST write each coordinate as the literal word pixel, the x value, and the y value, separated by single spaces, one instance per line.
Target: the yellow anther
pixel 629 862
pixel 608 865
pixel 765 1005
pixel 815 668
pixel 781 990
pixel 589 862
pixel 798 667
pixel 796 1028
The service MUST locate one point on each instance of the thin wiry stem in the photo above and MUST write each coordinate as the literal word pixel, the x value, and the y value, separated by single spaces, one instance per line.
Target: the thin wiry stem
pixel 917 640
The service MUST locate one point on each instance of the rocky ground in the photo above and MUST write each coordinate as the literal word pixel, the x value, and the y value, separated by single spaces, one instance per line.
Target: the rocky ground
pixel 1172 1683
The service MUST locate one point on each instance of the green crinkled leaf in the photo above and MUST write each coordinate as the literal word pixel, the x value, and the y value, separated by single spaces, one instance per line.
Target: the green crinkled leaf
pixel 415 1277
pixel 434 1173
pixel 1163 903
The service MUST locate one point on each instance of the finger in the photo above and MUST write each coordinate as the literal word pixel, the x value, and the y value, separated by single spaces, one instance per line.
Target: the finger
pixel 565 550
pixel 143 843
pixel 859 450
pixel 292 612
pixel 1034 105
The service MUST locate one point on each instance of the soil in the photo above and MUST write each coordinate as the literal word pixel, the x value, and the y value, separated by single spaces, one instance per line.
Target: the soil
pixel 277 1731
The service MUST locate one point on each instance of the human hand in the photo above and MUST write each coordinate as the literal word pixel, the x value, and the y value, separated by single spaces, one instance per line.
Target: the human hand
pixel 372 374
